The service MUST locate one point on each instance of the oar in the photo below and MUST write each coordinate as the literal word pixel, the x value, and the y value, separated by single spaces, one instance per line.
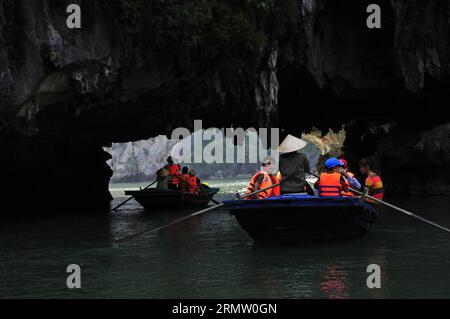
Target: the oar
pixel 395 208
pixel 130 237
pixel 118 206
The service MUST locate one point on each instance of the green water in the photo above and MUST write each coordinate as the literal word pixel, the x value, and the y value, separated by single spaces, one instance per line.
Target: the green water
pixel 210 256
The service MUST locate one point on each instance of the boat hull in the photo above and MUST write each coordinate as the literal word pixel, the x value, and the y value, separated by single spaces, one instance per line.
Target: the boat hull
pixel 303 218
pixel 169 199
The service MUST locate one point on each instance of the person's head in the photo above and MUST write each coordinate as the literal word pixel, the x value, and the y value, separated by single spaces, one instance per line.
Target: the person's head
pixel 291 144
pixel 192 172
pixel 268 165
pixel 344 164
pixel 332 165
pixel 184 170
pixel 366 166
pixel 170 160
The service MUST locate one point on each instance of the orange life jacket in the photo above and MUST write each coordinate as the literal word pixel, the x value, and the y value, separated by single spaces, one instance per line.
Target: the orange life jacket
pixel 330 185
pixel 267 181
pixel 345 192
pixel 193 187
pixel 279 176
pixel 375 187
pixel 184 182
pixel 174 171
pixel 276 191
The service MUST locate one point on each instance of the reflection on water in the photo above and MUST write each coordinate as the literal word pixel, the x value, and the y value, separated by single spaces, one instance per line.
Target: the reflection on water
pixel 334 283
pixel 210 256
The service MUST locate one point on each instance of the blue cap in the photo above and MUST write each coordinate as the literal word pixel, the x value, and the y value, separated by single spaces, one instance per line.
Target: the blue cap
pixel 332 163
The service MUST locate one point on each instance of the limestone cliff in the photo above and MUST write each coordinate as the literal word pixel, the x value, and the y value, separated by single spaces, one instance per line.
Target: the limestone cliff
pixel 140 68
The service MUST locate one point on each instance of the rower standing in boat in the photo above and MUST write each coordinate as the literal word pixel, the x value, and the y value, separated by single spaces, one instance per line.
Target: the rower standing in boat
pixel 293 166
pixel 264 179
pixel 174 172
pixel 162 178
pixel 373 182
pixel 331 183
pixel 350 179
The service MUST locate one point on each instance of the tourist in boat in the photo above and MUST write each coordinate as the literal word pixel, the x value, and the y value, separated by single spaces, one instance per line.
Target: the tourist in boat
pixel 350 179
pixel 331 183
pixel 264 179
pixel 293 165
pixel 183 184
pixel 373 182
pixel 163 179
pixel 194 182
pixel 174 172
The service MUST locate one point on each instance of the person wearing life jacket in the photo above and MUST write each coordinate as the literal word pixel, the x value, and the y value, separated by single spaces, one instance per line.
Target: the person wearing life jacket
pixel 331 183
pixel 276 191
pixel 193 182
pixel 350 179
pixel 373 183
pixel 174 172
pixel 262 180
pixel 183 184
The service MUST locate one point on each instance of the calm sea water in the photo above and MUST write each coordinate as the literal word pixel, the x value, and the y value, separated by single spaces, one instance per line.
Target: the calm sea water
pixel 210 256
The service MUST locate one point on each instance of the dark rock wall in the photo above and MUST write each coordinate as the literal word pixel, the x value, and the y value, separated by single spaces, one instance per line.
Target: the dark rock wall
pixel 141 68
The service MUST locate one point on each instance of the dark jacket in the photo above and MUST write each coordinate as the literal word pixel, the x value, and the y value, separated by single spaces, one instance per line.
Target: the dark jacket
pixel 293 167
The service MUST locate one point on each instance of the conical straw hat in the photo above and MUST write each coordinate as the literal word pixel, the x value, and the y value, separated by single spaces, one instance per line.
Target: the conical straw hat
pixel 163 172
pixel 291 144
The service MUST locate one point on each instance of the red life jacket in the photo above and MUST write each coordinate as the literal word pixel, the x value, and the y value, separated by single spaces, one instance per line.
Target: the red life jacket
pixel 174 171
pixel 267 181
pixel 330 185
pixel 184 182
pixel 276 191
pixel 345 192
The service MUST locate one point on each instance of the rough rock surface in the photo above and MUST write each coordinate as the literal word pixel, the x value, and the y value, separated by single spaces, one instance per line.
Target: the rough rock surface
pixel 417 164
pixel 139 161
pixel 138 68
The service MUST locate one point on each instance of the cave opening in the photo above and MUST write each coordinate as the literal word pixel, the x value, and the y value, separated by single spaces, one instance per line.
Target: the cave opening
pixel 336 72
pixel 349 79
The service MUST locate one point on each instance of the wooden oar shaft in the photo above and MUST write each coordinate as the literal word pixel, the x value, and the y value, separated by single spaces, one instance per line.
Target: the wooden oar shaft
pixel 404 211
pixel 123 203
pixel 261 190
pixel 186 217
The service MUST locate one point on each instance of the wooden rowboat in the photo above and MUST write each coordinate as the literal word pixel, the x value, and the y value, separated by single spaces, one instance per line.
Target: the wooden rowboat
pixel 303 218
pixel 155 198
